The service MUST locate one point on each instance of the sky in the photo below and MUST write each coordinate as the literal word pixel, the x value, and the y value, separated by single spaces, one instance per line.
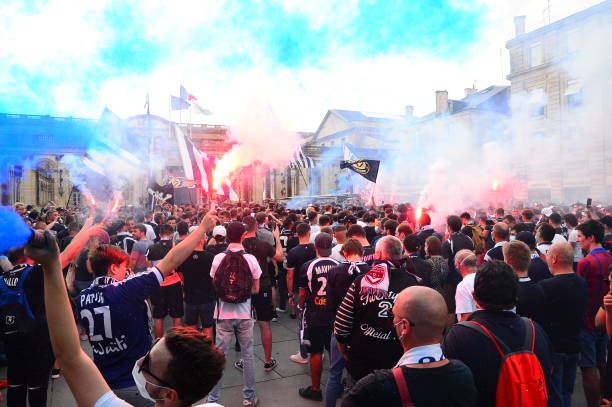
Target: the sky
pixel 296 58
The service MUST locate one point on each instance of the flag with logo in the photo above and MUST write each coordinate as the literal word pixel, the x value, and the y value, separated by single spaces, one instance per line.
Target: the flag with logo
pixel 366 168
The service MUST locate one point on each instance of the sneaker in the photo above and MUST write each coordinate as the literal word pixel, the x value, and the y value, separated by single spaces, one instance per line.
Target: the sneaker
pixel 309 393
pixel 274 319
pixel 297 358
pixel 238 365
pixel 56 373
pixel 270 365
pixel 280 310
pixel 250 403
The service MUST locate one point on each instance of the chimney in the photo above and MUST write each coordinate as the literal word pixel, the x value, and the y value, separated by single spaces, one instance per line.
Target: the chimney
pixel 519 25
pixel 441 101
pixel 470 91
pixel 409 111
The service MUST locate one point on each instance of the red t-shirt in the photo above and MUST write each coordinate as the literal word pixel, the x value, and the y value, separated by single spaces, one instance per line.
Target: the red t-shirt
pixel 594 268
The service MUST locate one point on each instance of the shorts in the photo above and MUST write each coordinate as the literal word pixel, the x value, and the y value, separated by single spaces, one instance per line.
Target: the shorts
pixel 593 346
pixel 168 300
pixel 320 338
pixel 262 302
pixel 203 312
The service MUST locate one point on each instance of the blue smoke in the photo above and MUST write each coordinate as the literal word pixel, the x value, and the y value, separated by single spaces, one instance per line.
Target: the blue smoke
pixel 14 232
pixel 247 33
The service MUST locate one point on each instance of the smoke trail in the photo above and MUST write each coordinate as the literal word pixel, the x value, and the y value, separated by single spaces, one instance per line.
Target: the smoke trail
pixel 14 232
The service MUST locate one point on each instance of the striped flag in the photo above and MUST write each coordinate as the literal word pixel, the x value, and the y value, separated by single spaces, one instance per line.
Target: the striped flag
pixel 195 162
pixel 300 159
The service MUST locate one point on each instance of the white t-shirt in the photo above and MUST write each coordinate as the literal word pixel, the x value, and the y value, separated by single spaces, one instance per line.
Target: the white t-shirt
pixel 559 238
pixel 226 310
pixel 110 399
pixel 336 253
pixel 573 238
pixel 464 300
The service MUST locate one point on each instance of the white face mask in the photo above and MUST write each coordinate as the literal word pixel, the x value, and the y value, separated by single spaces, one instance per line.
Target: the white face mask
pixel 512 237
pixel 141 382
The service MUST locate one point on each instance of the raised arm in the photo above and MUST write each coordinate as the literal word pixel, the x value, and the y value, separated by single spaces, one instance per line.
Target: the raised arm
pixel 84 379
pixel 278 255
pixel 181 251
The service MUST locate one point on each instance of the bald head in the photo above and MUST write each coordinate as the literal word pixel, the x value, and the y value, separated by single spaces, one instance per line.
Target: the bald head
pixel 560 257
pixel 501 231
pixel 424 307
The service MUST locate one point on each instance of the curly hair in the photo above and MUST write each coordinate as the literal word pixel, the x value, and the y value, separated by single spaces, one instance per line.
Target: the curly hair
pixel 196 365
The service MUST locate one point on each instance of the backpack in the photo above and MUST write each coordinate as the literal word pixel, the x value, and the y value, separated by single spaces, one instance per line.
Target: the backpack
pixel 478 239
pixel 521 380
pixel 233 279
pixel 15 313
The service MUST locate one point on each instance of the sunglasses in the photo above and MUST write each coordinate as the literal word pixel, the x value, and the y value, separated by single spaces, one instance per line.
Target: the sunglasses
pixel 145 367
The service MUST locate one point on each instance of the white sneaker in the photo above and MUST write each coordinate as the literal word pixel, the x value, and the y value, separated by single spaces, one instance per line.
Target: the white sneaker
pixel 250 403
pixel 280 310
pixel 297 358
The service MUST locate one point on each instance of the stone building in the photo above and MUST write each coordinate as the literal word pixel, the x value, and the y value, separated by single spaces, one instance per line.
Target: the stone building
pixel 561 86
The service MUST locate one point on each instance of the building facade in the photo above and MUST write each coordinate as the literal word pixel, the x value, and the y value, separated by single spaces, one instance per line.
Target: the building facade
pixel 561 86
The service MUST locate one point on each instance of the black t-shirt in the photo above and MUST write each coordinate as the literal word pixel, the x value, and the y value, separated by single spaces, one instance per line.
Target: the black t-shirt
pixel 197 283
pixel 288 240
pixel 262 251
pixel 296 257
pixel 64 242
pixel 158 251
pixel 339 280
pixel 423 269
pixel 479 353
pixel 538 270
pixel 566 297
pixel 81 273
pixel 34 291
pixel 607 243
pixel 450 385
pixel 216 248
pixel 313 278
pixel 530 300
pixel 370 232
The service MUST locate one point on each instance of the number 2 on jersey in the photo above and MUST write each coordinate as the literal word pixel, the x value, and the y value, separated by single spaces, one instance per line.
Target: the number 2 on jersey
pixel 323 282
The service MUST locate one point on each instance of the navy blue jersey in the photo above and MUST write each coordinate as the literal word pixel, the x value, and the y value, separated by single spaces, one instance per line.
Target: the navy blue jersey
pixel 313 277
pixel 116 317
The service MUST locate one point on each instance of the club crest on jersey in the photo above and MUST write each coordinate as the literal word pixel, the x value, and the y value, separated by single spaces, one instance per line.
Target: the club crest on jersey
pixel 376 275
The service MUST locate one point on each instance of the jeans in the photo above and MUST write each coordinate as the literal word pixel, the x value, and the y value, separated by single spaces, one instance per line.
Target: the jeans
pixel 30 359
pixel 334 380
pixel 244 335
pixel 303 348
pixel 563 378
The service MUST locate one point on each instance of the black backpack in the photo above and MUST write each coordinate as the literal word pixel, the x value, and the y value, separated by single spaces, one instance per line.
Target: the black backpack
pixel 233 279
pixel 16 317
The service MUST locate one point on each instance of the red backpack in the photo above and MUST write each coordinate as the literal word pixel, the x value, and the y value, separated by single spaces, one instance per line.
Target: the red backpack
pixel 521 380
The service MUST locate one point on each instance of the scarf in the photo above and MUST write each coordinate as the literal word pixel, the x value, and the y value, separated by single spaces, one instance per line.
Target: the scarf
pixel 375 281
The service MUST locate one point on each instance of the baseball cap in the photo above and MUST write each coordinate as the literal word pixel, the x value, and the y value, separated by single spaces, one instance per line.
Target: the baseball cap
pixel 219 230
pixel 323 243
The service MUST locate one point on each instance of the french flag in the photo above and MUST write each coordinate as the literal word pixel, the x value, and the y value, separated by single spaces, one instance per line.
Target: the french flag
pixel 195 162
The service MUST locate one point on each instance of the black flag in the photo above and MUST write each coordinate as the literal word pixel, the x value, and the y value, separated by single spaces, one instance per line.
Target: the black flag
pixel 366 168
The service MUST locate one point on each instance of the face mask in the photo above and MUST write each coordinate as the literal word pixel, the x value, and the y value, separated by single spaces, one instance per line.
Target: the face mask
pixel 141 382
pixel 512 237
pixel 376 229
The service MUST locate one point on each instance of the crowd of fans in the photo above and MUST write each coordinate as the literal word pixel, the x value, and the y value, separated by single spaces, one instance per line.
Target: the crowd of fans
pixel 489 307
